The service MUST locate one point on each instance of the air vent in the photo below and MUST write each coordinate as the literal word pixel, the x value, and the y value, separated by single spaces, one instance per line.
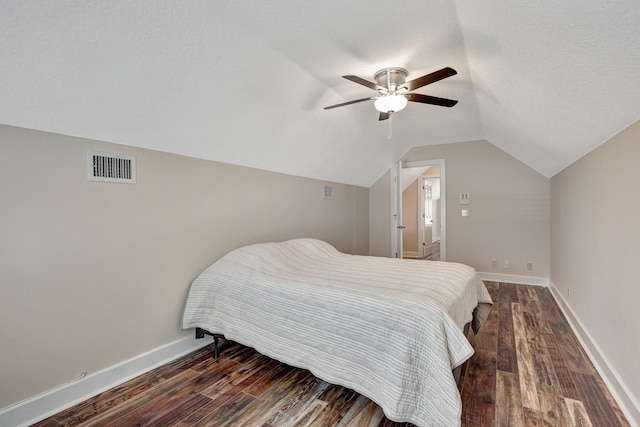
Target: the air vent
pixel 108 167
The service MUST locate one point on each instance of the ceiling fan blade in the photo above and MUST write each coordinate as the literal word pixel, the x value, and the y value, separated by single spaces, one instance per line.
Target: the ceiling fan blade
pixel 383 116
pixel 363 82
pixel 347 103
pixel 434 100
pixel 430 78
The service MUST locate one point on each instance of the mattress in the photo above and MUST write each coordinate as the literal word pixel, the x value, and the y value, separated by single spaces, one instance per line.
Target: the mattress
pixel 390 329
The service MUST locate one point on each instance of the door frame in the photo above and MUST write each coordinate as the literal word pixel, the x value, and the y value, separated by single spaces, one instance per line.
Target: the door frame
pixel 396 205
pixel 422 245
pixel 396 210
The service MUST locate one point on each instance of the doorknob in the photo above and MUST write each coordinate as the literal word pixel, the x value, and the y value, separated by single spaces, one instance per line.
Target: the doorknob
pixel 400 227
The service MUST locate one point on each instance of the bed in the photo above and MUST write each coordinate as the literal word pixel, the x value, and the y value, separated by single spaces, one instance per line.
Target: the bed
pixel 388 328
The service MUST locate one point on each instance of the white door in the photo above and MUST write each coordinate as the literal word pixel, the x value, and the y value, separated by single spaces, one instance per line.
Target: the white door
pixel 396 211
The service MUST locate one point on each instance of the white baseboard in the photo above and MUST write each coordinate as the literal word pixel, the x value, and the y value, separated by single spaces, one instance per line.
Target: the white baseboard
pixel 621 393
pixel 512 278
pixel 44 405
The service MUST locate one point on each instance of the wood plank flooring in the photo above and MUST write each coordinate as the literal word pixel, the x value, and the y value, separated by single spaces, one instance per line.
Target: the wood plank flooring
pixel 528 370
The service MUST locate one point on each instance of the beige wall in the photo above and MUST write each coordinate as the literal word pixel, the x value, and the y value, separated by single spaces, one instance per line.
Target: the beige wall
pixel 595 249
pixel 94 273
pixel 380 217
pixel 410 218
pixel 509 209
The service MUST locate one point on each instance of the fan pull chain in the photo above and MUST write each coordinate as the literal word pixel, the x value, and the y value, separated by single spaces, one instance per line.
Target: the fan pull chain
pixel 390 112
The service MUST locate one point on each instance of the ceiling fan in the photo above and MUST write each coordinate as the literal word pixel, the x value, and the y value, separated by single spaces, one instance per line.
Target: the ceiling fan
pixel 394 90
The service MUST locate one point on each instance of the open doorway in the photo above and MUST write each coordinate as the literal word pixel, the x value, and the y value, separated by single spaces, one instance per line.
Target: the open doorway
pixel 429 225
pixel 419 229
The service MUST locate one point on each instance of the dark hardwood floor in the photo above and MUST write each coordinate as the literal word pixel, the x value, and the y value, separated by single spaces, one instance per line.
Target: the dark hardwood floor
pixel 528 370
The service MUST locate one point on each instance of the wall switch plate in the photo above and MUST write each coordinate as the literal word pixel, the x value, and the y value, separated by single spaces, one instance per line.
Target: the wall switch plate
pixel 465 212
pixel 464 198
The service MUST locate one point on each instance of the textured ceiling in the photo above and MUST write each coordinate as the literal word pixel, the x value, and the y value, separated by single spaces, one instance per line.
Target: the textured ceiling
pixel 244 82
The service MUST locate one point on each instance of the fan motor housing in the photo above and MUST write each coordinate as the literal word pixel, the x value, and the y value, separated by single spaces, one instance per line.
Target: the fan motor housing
pixel 391 77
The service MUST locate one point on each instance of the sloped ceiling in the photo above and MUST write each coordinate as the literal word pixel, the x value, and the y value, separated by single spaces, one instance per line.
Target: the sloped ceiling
pixel 244 82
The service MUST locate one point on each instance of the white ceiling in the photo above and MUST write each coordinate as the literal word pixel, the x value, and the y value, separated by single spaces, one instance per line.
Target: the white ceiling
pixel 244 82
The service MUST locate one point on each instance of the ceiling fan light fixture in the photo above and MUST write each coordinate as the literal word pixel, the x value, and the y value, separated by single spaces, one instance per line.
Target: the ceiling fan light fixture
pixel 394 90
pixel 388 103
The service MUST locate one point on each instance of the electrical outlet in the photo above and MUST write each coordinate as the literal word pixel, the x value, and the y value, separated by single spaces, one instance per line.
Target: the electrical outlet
pixel 494 263
pixel 529 266
pixel 507 265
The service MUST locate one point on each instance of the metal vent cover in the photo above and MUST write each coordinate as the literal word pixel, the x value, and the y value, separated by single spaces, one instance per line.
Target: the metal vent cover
pixel 109 167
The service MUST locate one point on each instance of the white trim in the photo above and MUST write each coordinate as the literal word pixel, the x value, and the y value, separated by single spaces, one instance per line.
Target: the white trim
pixel 51 402
pixel 621 393
pixel 443 198
pixel 512 278
pixel 396 210
pixel 421 242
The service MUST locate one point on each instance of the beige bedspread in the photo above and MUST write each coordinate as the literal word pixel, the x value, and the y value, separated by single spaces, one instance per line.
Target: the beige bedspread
pixel 390 329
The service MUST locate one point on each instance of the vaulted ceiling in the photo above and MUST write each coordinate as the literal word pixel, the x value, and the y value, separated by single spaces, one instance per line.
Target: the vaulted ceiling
pixel 245 81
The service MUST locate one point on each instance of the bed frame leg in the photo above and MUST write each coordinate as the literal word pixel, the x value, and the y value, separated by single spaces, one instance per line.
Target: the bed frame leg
pixel 200 333
pixel 216 352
